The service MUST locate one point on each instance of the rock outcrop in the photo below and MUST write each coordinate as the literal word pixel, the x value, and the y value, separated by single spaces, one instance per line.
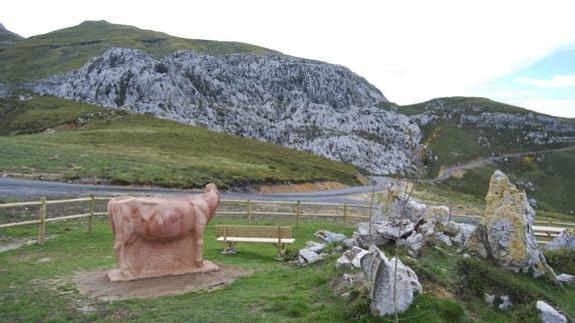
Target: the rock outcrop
pixel 386 296
pixel 566 240
pixel 298 103
pixel 505 234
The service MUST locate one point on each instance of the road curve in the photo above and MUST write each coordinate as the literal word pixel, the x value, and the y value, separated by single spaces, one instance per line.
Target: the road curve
pixel 30 189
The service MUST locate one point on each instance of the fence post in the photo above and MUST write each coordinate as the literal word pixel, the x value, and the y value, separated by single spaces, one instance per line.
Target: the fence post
pixel 249 207
pixel 297 213
pixel 344 212
pixel 91 210
pixel 42 218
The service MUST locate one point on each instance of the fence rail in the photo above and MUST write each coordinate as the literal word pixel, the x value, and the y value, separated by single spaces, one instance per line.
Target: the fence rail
pixel 544 229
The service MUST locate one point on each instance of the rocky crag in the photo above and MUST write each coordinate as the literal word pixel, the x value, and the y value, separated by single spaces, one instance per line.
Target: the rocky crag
pixel 303 104
pixel 505 235
pixel 496 123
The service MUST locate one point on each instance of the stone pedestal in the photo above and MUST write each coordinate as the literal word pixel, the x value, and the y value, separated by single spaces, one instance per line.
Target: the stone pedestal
pixel 148 258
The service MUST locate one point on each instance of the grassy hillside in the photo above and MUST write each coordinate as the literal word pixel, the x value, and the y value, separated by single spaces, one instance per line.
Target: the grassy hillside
pixel 551 174
pixel 69 48
pixel 452 142
pixel 99 145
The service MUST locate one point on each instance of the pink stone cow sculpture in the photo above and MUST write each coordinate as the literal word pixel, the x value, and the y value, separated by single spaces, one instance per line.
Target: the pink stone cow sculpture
pixel 161 236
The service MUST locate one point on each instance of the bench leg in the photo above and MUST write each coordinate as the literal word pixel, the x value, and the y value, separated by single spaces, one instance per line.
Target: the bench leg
pixel 281 251
pixel 229 248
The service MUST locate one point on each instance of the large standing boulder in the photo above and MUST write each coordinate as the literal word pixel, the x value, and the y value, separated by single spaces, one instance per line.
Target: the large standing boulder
pixel 566 240
pixel 386 297
pixel 505 234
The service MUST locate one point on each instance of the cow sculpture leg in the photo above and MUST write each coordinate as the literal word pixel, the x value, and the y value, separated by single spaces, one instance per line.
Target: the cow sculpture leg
pixel 197 237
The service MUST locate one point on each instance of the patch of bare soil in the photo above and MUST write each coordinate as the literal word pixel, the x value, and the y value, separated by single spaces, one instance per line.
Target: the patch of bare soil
pixel 304 187
pixel 97 284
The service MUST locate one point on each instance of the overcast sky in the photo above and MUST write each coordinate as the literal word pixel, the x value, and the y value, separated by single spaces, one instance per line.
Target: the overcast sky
pixel 411 50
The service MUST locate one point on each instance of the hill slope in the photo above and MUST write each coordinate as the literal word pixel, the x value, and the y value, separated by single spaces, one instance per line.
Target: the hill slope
pixel 93 144
pixel 7 37
pixel 459 129
pixel 295 102
pixel 69 48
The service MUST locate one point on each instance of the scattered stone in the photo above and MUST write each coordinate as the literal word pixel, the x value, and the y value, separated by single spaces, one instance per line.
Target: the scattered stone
pixel 441 237
pixel 348 243
pixel 229 251
pixel 465 231
pixel 343 263
pixel 315 246
pixel 449 228
pixel 505 234
pixel 44 260
pixel 400 228
pixel 427 229
pixel 357 254
pixel 414 243
pixel 548 314
pixel 87 309
pixel 489 299
pixel 437 214
pixel 380 273
pixel 329 237
pixel 306 257
pixel 363 238
pixel 566 240
pixel 338 249
pixel 506 303
pixel 566 278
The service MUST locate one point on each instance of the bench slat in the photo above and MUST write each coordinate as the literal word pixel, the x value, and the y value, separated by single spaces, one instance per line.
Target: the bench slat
pixel 262 240
pixel 247 231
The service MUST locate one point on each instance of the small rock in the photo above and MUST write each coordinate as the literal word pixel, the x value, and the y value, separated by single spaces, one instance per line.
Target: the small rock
pixel 44 260
pixel 306 257
pixel 329 237
pixel 357 254
pixel 440 236
pixel 566 240
pixel 548 314
pixel 489 299
pixel 505 303
pixel 566 278
pixel 338 249
pixel 86 309
pixel 315 246
pixel 343 263
pixel 348 243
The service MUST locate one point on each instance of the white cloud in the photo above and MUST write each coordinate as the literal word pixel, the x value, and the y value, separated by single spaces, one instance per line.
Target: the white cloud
pixel 564 108
pixel 557 81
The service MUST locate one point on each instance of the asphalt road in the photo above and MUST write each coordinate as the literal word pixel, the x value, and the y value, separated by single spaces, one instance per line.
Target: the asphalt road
pixel 30 189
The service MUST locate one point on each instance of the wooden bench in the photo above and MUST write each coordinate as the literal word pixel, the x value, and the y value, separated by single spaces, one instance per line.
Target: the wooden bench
pixel 279 236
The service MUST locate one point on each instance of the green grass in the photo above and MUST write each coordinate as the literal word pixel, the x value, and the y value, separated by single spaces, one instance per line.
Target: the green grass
pixel 552 175
pixel 35 290
pixel 67 49
pixel 120 148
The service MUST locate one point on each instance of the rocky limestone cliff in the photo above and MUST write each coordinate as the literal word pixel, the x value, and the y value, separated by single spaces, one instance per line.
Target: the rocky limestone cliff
pixel 298 103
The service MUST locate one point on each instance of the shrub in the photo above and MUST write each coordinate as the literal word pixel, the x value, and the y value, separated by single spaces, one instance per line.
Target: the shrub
pixel 562 260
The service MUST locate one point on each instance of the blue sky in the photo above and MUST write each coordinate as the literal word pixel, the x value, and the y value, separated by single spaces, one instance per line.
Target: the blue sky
pixel 546 86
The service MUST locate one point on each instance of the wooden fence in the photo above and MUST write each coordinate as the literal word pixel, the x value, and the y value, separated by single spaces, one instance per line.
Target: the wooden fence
pixel 545 229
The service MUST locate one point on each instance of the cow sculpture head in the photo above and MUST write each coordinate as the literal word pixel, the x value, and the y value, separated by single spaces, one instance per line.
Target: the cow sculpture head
pixel 211 187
